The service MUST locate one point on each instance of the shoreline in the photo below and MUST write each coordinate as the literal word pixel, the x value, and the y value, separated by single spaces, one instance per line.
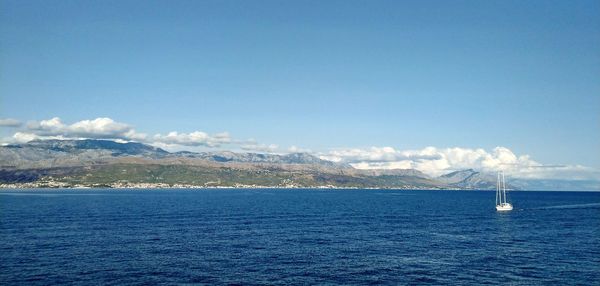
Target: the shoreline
pixel 199 188
pixel 4 187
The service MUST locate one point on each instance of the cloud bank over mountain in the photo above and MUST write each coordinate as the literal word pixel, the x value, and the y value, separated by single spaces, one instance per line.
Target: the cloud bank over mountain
pixel 107 128
pixel 430 160
pixel 196 138
pixel 437 161
pixel 99 128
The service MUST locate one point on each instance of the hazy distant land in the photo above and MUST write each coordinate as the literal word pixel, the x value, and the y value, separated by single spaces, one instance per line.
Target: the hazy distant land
pixel 109 164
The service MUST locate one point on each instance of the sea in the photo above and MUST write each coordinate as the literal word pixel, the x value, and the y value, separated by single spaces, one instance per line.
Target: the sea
pixel 297 237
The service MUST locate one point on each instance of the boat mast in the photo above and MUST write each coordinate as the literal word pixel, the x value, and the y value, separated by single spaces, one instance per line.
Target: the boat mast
pixel 502 203
pixel 504 187
pixel 497 187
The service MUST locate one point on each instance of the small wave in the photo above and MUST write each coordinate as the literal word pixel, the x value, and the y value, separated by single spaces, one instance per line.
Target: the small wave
pixel 395 194
pixel 575 206
pixel 452 236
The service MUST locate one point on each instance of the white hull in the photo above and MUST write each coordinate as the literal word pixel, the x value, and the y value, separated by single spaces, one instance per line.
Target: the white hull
pixel 504 207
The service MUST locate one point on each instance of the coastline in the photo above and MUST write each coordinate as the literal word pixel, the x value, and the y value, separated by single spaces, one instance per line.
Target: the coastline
pixel 161 186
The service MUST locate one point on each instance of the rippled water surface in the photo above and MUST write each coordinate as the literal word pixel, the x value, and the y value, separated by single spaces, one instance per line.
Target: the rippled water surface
pixel 297 237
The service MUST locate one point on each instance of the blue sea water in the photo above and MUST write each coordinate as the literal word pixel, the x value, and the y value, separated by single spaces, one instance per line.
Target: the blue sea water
pixel 297 237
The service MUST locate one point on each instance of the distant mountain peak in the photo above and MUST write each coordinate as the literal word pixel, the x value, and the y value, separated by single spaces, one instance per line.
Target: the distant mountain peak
pixel 76 162
pixel 228 156
pixel 395 172
pixel 469 179
pixel 460 173
pixel 129 148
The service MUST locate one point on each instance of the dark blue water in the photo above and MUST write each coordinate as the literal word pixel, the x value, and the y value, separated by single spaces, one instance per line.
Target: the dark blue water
pixel 297 237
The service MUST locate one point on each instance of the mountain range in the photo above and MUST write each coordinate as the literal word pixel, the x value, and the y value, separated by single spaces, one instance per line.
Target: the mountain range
pixel 105 163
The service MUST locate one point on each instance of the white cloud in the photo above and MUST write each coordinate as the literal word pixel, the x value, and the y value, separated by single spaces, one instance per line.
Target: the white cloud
pixel 101 128
pixel 431 160
pixel 24 137
pixel 256 147
pixel 379 154
pixel 196 138
pixel 436 161
pixel 383 165
pixel 107 128
pixel 21 137
pixel 295 149
pixel 9 122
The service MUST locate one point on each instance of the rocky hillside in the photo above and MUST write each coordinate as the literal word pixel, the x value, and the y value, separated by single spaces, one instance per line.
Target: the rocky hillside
pixel 469 179
pixel 113 164
pixel 104 163
pixel 227 156
pixel 69 153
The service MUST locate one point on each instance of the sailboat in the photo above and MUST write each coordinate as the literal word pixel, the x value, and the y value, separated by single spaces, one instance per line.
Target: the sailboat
pixel 501 203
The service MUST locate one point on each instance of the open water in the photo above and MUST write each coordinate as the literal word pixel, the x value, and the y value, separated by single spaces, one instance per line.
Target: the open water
pixel 297 237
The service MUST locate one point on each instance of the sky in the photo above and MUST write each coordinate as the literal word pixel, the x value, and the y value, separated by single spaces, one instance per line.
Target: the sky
pixel 433 85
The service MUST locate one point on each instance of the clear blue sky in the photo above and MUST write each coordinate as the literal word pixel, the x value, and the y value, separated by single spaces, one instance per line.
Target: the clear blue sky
pixel 316 74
